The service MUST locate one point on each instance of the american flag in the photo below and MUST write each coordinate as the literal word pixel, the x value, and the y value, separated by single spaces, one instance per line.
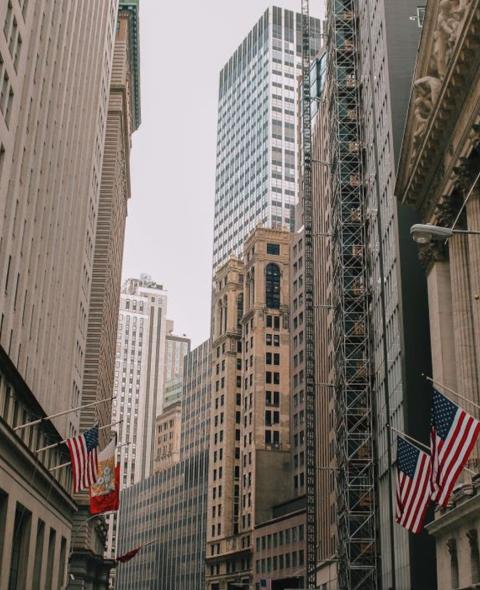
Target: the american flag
pixel 452 438
pixel 83 454
pixel 413 485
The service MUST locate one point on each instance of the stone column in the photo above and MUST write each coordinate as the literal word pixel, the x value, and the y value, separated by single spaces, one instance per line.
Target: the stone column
pixel 441 323
pixel 465 353
pixel 463 326
pixel 473 220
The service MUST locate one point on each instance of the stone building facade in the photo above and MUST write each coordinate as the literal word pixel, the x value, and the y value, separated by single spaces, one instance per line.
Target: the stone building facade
pixel 55 72
pixel 250 471
pixel 167 436
pixel 123 118
pixel 439 176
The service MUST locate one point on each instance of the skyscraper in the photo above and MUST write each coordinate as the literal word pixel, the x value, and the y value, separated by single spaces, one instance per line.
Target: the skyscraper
pixel 170 507
pixel 256 177
pixel 55 72
pixel 139 367
pixel 138 381
pixel 374 344
pixel 399 314
pixel 123 118
pixel 256 518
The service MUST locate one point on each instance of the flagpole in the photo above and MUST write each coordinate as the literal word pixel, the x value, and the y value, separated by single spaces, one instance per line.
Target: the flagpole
pixel 65 439
pixel 469 401
pixel 63 413
pixel 69 462
pixel 420 444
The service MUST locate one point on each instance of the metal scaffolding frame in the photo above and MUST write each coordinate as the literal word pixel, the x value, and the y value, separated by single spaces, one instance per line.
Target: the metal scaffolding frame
pixel 355 481
pixel 308 277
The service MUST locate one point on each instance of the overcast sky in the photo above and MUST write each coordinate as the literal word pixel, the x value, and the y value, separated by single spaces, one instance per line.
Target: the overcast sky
pixel 183 46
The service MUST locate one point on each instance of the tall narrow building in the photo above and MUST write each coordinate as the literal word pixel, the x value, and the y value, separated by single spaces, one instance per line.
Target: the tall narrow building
pixel 138 382
pixel 255 521
pixel 55 71
pixel 139 368
pixel 256 178
pixel 389 34
pixel 123 118
pixel 373 344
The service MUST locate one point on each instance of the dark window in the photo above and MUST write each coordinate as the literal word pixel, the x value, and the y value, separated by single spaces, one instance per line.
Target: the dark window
pixel 272 286
pixel 3 511
pixel 273 249
pixel 37 566
pixel 21 538
pixel 61 566
pixel 269 321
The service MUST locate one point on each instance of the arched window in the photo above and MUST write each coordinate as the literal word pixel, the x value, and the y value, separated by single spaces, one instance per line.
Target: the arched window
pixel 272 286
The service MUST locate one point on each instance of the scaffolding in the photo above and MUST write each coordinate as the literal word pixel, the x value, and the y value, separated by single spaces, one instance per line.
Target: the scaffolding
pixel 355 465
pixel 310 394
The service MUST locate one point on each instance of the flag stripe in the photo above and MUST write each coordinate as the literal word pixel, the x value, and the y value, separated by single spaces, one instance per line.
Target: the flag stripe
pixel 84 458
pixel 453 437
pixel 413 485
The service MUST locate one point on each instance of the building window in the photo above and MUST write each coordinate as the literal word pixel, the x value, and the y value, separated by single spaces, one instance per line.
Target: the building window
pixel 272 286
pixel 420 16
pixel 273 249
pixel 21 538
pixel 37 565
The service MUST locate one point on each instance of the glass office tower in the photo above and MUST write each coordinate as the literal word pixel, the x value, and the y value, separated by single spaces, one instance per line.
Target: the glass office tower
pixel 256 178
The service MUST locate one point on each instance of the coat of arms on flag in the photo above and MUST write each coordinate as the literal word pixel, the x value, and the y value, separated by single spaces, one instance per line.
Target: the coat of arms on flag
pixel 104 493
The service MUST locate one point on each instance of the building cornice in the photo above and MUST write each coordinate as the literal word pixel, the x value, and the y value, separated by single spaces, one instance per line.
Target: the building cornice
pixel 23 462
pixel 445 83
pixel 131 7
pixel 449 521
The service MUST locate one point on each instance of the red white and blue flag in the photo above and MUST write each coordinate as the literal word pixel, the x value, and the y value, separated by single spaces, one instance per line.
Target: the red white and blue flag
pixel 452 438
pixel 83 454
pixel 413 485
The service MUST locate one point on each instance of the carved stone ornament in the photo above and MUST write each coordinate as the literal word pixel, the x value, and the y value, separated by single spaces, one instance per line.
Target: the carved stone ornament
pixel 452 546
pixel 451 14
pixel 449 19
pixel 430 253
pixel 447 209
pixel 426 92
pixel 467 173
pixel 472 537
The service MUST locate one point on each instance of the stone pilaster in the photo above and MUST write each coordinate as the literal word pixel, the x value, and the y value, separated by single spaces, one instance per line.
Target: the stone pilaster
pixel 473 220
pixel 463 326
pixel 441 323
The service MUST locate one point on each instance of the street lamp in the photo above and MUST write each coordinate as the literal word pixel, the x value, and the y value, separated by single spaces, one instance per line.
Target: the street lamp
pixel 426 233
